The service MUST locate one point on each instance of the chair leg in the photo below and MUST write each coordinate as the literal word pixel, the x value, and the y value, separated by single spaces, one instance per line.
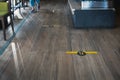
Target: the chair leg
pixel 3 27
pixel 12 25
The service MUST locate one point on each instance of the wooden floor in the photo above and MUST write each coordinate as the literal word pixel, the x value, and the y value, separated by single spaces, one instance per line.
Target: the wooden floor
pixel 38 50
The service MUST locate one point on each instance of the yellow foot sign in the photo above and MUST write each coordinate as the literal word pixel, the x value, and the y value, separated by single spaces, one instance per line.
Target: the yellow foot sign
pixel 81 53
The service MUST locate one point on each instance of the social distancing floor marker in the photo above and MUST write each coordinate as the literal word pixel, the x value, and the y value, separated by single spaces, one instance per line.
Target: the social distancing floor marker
pixel 81 53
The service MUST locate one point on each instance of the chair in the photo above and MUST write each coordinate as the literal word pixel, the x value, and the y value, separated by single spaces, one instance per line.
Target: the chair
pixel 5 11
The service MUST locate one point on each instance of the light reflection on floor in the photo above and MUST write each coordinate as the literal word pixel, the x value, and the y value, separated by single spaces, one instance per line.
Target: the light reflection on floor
pixel 15 57
pixel 18 60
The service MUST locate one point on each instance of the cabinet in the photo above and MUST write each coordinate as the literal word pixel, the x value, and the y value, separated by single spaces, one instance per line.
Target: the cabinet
pixel 92 14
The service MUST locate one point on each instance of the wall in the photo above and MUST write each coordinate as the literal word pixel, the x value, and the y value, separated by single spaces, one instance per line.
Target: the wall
pixel 116 3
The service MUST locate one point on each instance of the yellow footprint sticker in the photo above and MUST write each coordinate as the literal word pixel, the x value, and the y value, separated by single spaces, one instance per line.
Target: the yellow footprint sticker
pixel 81 53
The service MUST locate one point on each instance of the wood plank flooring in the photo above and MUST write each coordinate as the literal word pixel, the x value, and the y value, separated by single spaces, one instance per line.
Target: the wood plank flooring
pixel 38 50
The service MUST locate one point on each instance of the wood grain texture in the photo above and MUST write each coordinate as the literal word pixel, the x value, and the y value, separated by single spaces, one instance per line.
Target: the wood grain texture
pixel 43 40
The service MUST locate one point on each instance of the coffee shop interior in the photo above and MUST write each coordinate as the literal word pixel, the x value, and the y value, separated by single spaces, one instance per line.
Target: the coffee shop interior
pixel 60 40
